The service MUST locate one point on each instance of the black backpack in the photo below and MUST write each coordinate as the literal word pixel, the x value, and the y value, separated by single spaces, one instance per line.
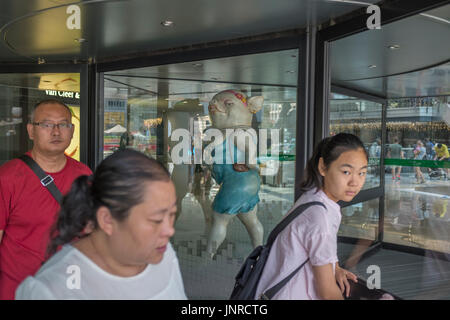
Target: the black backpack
pixel 248 276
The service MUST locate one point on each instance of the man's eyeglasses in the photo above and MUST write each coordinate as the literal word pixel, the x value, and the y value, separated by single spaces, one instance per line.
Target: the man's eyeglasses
pixel 50 125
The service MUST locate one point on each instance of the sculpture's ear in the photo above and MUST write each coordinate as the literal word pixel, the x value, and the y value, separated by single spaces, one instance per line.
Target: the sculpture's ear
pixel 255 103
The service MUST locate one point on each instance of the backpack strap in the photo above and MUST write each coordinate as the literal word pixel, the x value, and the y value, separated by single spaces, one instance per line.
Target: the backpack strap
pixel 46 179
pixel 269 293
pixel 288 219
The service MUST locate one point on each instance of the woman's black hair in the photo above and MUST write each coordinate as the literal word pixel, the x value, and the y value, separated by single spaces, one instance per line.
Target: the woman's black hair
pixel 118 184
pixel 329 149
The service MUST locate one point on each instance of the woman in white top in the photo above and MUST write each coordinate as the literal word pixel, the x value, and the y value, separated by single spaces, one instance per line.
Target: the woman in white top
pixel 336 171
pixel 122 218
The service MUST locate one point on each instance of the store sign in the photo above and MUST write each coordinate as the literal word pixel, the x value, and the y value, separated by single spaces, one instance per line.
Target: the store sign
pixel 115 112
pixel 63 94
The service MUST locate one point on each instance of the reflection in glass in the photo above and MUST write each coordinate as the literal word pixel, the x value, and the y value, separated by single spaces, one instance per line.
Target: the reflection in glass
pixel 363 119
pixel 17 102
pixel 148 114
pixel 417 199
pixel 360 220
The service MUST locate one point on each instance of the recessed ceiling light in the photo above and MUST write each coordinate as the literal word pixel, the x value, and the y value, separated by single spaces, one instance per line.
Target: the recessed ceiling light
pixel 394 47
pixel 167 23
pixel 372 66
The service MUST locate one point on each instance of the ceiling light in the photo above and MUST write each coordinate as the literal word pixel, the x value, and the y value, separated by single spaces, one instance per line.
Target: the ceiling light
pixel 167 23
pixel 394 47
pixel 372 66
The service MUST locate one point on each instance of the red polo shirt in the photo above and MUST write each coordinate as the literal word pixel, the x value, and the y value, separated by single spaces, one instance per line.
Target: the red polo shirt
pixel 27 213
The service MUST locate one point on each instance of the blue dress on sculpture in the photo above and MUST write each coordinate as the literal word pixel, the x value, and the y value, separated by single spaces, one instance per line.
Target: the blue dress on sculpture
pixel 238 190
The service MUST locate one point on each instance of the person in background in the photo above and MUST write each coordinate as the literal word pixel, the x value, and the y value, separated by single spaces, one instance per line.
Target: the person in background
pixel 429 145
pixel 336 172
pixel 419 154
pixel 374 152
pixel 27 208
pixel 126 141
pixel 395 152
pixel 442 154
pixel 114 227
pixel 375 149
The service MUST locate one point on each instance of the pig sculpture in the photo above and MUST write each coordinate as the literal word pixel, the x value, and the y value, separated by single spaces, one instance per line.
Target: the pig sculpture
pixel 239 180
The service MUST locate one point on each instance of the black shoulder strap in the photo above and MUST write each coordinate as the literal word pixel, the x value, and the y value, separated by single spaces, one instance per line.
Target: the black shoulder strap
pixel 269 293
pixel 46 180
pixel 288 219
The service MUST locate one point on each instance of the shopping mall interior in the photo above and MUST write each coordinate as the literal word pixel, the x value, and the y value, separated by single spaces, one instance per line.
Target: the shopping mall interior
pixel 134 71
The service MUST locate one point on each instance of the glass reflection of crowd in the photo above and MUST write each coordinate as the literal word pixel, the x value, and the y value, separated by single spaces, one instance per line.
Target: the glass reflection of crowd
pixel 414 216
pixel 426 149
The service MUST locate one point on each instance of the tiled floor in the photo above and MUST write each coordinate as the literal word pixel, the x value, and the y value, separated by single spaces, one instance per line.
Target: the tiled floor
pixel 407 276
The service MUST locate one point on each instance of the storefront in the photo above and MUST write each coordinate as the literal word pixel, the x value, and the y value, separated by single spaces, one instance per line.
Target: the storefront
pixel 311 89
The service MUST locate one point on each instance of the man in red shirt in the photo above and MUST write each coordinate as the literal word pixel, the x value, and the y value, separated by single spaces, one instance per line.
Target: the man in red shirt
pixel 27 208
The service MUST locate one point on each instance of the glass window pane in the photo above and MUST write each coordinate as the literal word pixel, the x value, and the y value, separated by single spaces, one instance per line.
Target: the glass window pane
pixel 360 220
pixel 417 185
pixel 363 119
pixel 17 102
pixel 155 115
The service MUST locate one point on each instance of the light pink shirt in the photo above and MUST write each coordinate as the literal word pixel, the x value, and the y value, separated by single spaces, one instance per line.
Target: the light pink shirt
pixel 313 234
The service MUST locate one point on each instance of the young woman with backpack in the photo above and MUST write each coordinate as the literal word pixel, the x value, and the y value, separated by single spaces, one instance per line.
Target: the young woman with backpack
pixel 336 172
